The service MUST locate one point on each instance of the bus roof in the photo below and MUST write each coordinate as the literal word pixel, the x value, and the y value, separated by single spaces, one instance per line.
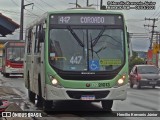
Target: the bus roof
pixel 79 10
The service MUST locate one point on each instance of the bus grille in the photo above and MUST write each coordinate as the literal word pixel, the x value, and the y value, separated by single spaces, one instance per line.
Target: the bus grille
pixel 78 94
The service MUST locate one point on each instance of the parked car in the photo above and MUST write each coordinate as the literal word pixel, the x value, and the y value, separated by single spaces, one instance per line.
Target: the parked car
pixel 144 75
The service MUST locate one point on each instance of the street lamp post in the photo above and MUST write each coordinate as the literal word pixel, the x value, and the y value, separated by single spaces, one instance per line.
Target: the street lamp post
pixel 21 18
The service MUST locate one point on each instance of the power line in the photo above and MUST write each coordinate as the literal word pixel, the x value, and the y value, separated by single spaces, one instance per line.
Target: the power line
pixel 153 26
pixel 15 3
pixel 32 13
pixel 48 4
pixel 37 6
pixel 155 12
pixel 64 2
pixel 134 20
pixel 16 13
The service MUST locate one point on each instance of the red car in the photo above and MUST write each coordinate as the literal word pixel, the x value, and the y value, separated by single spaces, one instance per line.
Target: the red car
pixel 3 105
pixel 144 75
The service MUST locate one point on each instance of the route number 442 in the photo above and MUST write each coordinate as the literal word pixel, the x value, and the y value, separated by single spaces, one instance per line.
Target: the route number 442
pixel 75 59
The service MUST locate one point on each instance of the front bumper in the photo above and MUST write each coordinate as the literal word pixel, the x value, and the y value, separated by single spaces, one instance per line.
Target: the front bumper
pixel 55 93
pixel 150 82
pixel 14 70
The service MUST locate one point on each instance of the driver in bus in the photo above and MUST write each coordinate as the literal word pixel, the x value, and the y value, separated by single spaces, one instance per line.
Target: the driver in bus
pixel 12 56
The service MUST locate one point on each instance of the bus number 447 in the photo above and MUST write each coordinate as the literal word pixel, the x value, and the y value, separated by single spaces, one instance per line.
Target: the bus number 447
pixel 75 59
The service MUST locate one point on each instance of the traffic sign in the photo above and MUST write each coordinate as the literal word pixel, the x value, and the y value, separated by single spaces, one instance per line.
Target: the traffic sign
pixel 156 48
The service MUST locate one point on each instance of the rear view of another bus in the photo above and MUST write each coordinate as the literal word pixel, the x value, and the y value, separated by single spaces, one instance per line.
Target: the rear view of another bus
pixel 12 60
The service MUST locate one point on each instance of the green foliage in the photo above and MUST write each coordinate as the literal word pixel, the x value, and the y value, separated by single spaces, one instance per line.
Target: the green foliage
pixel 135 61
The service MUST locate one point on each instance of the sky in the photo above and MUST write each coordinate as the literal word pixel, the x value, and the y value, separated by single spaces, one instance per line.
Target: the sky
pixel 135 19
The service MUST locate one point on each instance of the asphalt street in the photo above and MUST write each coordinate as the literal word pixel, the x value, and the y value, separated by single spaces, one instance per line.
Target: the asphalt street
pixel 145 99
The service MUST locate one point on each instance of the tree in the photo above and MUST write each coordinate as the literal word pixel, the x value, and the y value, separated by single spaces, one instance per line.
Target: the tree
pixel 135 61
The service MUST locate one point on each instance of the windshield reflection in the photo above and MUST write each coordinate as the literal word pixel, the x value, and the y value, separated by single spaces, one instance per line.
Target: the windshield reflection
pixel 86 49
pixel 15 54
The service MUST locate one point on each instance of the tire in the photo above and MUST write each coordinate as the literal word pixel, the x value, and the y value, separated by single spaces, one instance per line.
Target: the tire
pixel 7 75
pixel 31 96
pixel 139 85
pixel 39 96
pixel 131 84
pixel 107 104
pixel 48 105
pixel 153 86
pixel 4 74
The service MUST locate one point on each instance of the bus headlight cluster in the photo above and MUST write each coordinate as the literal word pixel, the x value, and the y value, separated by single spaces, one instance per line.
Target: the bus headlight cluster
pixel 120 81
pixel 55 82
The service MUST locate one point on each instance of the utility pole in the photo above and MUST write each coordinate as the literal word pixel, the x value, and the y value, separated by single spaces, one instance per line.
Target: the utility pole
pixel 22 18
pixel 101 3
pixel 76 3
pixel 153 26
pixel 87 2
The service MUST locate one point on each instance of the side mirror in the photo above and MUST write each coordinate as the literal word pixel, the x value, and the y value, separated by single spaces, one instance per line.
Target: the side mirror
pixel 41 36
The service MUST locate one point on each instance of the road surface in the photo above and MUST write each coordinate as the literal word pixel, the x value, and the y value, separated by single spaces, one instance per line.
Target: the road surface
pixel 145 99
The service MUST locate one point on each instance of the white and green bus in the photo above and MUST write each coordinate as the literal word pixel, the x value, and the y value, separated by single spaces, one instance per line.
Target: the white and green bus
pixel 77 54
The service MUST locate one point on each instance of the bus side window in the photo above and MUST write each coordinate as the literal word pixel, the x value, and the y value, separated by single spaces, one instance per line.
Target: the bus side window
pixel 29 41
pixel 36 39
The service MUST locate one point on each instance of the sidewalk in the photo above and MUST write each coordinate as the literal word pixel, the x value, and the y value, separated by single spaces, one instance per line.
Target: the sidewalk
pixel 7 93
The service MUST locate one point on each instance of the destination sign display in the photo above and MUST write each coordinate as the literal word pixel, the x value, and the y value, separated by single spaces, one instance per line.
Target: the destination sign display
pixel 86 19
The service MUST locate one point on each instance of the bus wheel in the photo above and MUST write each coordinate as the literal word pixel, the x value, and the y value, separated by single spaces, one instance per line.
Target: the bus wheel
pixel 47 105
pixel 39 96
pixel 107 104
pixel 131 85
pixel 31 96
pixel 153 86
pixel 6 75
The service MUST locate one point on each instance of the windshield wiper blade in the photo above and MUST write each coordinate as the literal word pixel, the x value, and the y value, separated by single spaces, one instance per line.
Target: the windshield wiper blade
pixel 98 37
pixel 75 36
pixel 91 45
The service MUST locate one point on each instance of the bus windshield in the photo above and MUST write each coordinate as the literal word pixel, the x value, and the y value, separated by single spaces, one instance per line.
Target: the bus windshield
pixel 15 54
pixel 86 49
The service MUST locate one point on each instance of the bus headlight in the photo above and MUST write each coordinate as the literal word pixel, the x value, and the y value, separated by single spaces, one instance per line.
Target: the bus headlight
pixel 120 81
pixel 55 82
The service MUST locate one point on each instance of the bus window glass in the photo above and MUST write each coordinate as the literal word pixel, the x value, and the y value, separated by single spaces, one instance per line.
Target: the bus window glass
pixel 100 49
pixel 15 54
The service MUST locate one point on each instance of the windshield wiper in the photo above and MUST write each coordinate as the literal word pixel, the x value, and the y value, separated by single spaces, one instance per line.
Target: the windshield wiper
pixel 98 37
pixel 92 48
pixel 75 36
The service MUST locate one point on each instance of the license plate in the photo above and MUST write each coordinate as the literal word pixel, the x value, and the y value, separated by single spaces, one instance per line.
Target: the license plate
pixel 87 97
pixel 153 82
